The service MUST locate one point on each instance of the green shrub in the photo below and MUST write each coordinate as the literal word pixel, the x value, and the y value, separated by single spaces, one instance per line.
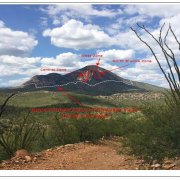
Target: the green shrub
pixel 19 134
pixel 62 131
pixel 157 136
pixel 117 125
pixel 90 129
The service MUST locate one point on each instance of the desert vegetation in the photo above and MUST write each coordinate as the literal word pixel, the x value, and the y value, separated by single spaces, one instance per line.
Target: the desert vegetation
pixel 151 133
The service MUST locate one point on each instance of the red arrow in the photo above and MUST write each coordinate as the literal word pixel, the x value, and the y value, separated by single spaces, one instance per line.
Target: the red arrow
pixel 119 67
pixel 69 96
pixel 97 64
pixel 102 73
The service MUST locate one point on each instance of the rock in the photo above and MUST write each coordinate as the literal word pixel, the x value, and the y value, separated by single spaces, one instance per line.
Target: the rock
pixel 156 166
pixel 28 158
pixel 21 153
pixel 69 145
pixel 59 148
pixel 48 150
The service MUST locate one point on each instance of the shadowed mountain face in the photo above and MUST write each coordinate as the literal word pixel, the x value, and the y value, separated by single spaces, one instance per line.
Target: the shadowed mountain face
pixel 91 80
pixel 46 80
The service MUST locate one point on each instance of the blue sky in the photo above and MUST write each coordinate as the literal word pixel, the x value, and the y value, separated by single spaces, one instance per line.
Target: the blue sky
pixel 55 36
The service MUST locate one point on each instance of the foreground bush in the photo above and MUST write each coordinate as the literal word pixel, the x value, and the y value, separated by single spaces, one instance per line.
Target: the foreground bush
pixel 90 129
pixel 64 131
pixel 19 134
pixel 157 136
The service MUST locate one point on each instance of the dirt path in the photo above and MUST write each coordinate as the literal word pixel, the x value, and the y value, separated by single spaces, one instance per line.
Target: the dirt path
pixel 79 156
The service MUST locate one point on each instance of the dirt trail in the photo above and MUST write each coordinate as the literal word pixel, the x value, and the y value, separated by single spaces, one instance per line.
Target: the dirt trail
pixel 80 156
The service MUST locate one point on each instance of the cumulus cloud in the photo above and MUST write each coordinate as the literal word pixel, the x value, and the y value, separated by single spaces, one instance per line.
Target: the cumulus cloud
pixel 63 12
pixel 65 59
pixel 161 10
pixel 140 48
pixel 114 54
pixel 125 23
pixel 16 43
pixel 74 34
pixel 17 70
pixel 1 24
pixel 16 82
pixel 145 74
pixel 12 65
pixel 145 14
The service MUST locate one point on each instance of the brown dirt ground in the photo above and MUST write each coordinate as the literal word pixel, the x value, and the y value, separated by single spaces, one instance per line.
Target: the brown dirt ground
pixel 81 156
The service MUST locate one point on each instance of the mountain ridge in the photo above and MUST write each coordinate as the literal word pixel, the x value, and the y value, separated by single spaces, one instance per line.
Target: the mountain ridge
pixel 90 80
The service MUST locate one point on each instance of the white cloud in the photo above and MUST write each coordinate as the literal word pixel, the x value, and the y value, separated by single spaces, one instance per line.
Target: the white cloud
pixel 129 40
pixel 65 59
pixel 63 12
pixel 138 46
pixel 17 43
pixel 161 10
pixel 174 21
pixel 18 61
pixel 74 34
pixel 12 66
pixel 125 23
pixel 140 74
pixel 1 24
pixel 143 13
pixel 114 54
pixel 44 22
pixel 16 82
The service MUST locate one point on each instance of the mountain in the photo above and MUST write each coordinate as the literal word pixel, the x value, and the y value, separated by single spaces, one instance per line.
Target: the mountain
pixel 91 80
pixel 46 80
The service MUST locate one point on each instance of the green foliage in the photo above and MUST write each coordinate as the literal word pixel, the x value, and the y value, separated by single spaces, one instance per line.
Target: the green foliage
pixel 90 129
pixel 157 136
pixel 64 131
pixel 118 125
pixel 3 126
pixel 19 134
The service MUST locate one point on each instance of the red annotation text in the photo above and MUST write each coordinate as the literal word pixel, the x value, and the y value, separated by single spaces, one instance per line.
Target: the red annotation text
pixel 91 55
pixel 76 116
pixel 130 110
pixel 52 69
pixel 132 61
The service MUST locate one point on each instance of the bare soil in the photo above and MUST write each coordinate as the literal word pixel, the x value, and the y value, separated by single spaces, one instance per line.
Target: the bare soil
pixel 105 155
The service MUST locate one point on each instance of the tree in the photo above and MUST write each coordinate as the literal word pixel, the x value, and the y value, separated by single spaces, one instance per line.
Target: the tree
pixel 173 76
